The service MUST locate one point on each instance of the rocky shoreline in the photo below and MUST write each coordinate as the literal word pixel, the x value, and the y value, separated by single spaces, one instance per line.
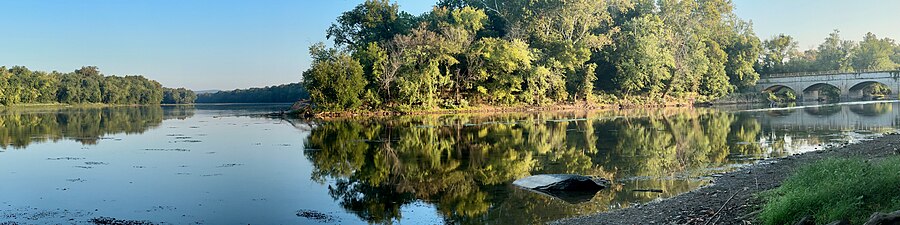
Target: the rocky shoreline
pixel 730 199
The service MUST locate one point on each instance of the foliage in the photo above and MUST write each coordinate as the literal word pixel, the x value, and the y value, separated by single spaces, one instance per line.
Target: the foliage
pixel 178 96
pixel 565 51
pixel 372 21
pixel 743 50
pixel 874 54
pixel 458 162
pixel 778 51
pixel 511 60
pixel 834 54
pixel 271 94
pixel 642 60
pixel 19 85
pixel 835 189
pixel 335 80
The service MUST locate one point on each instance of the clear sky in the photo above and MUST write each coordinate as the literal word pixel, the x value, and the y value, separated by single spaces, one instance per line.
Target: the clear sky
pixel 810 21
pixel 225 44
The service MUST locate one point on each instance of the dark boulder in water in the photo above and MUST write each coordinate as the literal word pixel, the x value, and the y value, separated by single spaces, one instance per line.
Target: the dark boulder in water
pixel 567 187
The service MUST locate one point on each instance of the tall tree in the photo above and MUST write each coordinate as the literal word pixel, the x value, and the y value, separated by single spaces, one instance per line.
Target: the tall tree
pixel 506 64
pixel 567 33
pixel 335 80
pixel 874 54
pixel 778 51
pixel 372 21
pixel 743 53
pixel 640 57
pixel 425 72
pixel 834 53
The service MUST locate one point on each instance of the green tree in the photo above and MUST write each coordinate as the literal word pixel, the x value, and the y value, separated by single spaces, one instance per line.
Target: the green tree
pixel 335 80
pixel 743 53
pixel 834 53
pixel 425 69
pixel 874 54
pixel 178 96
pixel 372 21
pixel 641 59
pixel 505 66
pixel 714 82
pixel 778 51
pixel 567 33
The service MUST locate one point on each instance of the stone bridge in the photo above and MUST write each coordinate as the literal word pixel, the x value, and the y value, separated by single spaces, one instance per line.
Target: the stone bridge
pixel 807 86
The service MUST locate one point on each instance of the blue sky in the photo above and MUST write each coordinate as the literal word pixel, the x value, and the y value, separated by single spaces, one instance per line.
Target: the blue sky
pixel 223 44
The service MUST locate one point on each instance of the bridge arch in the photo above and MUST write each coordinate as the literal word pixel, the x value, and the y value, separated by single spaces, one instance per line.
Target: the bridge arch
pixel 865 89
pixel 782 93
pixel 822 92
pixel 778 87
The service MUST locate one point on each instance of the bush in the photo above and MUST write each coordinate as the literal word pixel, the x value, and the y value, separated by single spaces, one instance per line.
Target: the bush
pixel 835 189
pixel 335 80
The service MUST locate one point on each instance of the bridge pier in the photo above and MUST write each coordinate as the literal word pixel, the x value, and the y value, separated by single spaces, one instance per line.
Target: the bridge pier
pixel 810 96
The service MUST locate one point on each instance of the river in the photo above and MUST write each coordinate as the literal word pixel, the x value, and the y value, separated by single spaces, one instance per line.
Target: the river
pixel 218 164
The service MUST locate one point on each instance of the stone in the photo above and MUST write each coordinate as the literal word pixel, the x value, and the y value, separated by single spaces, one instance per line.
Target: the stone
pixel 562 182
pixel 573 189
pixel 807 220
pixel 879 218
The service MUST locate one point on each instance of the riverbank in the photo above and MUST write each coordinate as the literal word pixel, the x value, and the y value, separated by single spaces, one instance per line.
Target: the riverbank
pixel 302 110
pixel 731 197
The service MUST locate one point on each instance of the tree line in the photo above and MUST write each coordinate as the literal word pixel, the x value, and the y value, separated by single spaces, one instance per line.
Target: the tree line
pixel 19 85
pixel 178 96
pixel 534 52
pixel 781 55
pixel 271 94
pixel 467 52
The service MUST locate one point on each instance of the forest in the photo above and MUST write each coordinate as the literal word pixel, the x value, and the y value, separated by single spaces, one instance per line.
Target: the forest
pixel 19 85
pixel 466 53
pixel 284 93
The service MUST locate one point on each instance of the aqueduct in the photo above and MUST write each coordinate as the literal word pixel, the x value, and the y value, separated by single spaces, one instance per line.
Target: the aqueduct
pixel 807 86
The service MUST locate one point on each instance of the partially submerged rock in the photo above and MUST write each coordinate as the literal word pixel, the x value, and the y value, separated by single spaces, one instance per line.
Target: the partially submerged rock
pixel 879 218
pixel 562 182
pixel 567 187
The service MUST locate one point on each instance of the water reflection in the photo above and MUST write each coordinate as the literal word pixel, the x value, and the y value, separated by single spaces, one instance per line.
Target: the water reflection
pixel 20 127
pixel 464 164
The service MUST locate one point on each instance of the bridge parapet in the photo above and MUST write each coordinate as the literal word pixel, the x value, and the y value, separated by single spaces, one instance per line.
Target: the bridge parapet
pixel 821 73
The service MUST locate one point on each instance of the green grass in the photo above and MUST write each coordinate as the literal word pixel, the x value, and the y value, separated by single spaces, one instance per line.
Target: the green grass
pixel 835 189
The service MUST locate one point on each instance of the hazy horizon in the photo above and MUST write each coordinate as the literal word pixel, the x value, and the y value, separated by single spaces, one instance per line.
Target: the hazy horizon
pixel 225 45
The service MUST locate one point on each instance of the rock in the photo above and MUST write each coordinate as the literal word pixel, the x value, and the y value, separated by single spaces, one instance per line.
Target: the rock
pixel 807 220
pixel 562 182
pixel 879 218
pixel 570 188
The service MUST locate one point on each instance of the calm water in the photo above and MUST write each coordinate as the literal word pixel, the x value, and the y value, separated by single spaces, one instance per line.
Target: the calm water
pixel 216 165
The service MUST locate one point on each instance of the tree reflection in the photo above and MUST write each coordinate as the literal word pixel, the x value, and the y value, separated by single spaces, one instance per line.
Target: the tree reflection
pixel 20 127
pixel 464 164
pixel 874 109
